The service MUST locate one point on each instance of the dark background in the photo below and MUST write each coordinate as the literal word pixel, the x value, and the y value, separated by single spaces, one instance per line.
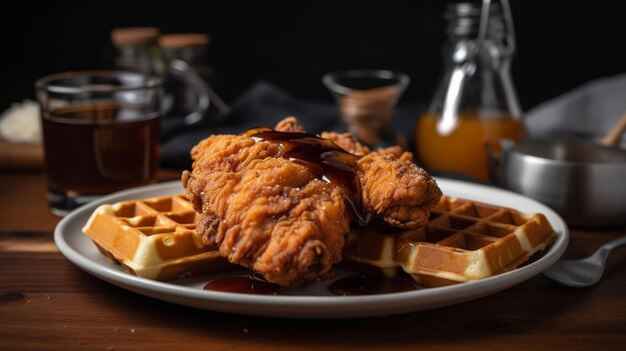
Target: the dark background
pixel 561 44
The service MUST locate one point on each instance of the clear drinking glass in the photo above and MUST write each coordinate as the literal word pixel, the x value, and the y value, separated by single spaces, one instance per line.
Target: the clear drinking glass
pixel 367 99
pixel 100 134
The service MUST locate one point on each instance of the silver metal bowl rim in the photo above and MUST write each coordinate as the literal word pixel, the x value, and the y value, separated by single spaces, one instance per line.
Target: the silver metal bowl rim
pixel 515 152
pixel 562 163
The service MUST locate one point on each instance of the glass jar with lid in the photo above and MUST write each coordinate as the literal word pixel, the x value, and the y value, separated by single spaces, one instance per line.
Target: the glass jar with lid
pixel 190 73
pixel 475 104
pixel 136 50
pixel 189 47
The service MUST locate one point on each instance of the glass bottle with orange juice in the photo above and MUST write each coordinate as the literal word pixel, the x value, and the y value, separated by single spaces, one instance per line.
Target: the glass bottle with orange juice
pixel 475 105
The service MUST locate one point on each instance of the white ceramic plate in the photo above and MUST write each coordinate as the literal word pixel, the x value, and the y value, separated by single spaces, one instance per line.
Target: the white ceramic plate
pixel 314 301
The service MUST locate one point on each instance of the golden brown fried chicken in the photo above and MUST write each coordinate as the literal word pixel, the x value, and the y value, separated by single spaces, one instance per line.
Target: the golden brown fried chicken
pixel 265 212
pixel 395 189
pixel 280 217
pixel 347 142
pixel 289 124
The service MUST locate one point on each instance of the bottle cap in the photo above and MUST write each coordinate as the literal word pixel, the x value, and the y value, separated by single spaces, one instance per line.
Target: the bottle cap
pixel 177 41
pixel 134 35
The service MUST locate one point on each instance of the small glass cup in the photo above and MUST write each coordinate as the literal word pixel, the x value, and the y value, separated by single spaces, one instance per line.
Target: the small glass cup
pixel 367 99
pixel 100 132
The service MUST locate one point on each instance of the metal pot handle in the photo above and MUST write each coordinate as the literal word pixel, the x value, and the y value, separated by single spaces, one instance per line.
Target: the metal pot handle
pixel 494 162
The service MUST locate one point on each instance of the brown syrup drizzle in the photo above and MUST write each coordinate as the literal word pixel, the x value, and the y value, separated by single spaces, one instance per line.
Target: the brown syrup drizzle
pixel 325 159
pixel 362 284
pixel 243 284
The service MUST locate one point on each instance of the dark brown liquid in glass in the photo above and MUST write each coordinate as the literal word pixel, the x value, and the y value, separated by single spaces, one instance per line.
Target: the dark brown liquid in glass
pixel 100 148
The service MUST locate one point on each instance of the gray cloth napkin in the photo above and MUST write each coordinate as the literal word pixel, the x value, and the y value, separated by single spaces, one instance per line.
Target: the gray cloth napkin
pixel 590 111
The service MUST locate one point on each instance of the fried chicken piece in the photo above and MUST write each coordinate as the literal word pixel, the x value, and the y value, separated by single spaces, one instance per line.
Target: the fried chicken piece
pixel 395 189
pixel 265 212
pixel 282 220
pixel 392 186
pixel 347 142
pixel 289 124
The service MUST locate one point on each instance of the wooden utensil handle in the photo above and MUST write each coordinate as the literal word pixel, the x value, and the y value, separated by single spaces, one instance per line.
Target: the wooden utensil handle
pixel 614 134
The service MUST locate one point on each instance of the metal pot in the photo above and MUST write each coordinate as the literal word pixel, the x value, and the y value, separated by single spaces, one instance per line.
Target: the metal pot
pixel 583 181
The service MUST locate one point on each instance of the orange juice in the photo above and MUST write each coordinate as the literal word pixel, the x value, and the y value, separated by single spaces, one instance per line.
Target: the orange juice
pixel 463 150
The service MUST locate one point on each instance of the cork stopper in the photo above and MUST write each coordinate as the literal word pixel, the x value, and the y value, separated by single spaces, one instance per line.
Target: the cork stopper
pixel 177 41
pixel 134 35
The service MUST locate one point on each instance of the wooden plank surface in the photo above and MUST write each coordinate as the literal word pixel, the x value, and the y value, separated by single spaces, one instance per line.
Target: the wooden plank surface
pixel 48 303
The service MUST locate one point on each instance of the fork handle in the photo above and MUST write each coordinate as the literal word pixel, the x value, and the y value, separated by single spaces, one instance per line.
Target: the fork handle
pixel 606 249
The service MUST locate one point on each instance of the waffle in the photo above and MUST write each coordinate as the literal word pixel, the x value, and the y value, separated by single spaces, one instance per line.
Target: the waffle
pixel 153 238
pixel 463 241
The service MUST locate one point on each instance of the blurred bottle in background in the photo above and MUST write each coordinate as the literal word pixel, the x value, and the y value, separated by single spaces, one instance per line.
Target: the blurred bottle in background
pixel 475 104
pixel 180 60
pixel 186 56
pixel 136 50
pixel 190 48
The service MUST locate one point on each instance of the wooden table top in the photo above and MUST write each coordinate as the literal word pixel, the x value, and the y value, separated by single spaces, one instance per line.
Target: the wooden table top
pixel 48 303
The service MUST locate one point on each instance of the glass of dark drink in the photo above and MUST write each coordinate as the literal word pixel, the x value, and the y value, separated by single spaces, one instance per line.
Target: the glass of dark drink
pixel 101 134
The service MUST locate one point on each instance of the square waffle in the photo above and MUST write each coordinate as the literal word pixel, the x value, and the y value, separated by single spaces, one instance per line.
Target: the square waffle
pixel 463 241
pixel 153 238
